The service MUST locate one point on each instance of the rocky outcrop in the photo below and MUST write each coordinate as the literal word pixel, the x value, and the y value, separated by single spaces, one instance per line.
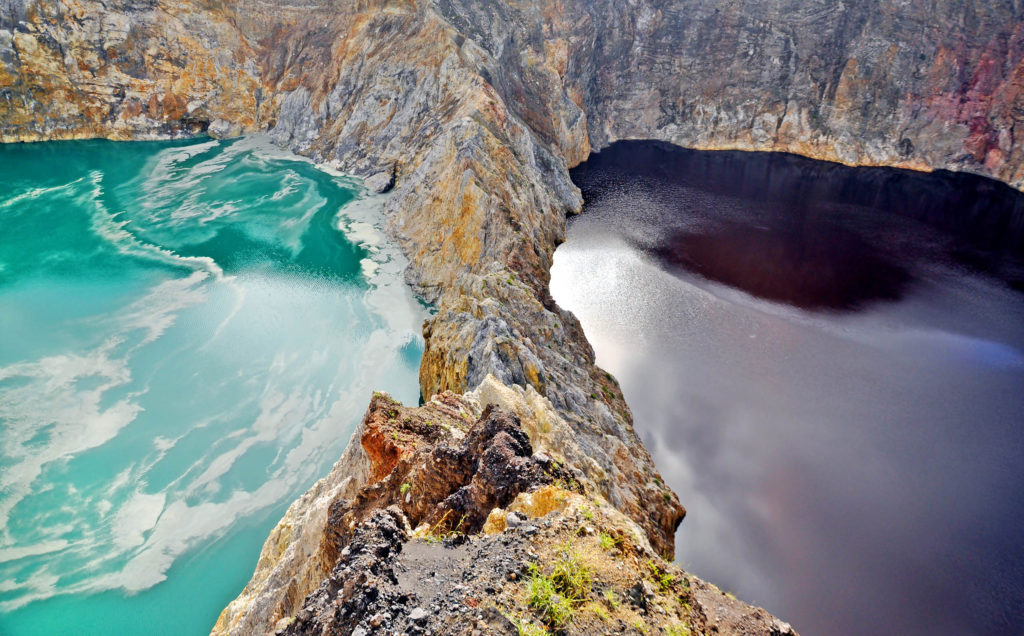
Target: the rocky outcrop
pixel 469 115
pixel 457 512
pixel 445 467
pixel 388 581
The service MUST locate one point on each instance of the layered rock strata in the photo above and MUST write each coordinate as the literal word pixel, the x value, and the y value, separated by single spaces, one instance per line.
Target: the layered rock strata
pixel 918 84
pixel 470 114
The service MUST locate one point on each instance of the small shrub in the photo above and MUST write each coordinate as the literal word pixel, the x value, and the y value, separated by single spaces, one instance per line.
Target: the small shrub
pixel 663 579
pixel 554 609
pixel 570 576
pixel 611 598
pixel 677 630
pixel 404 489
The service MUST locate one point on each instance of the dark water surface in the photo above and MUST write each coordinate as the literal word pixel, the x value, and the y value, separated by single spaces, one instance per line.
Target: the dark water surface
pixel 827 364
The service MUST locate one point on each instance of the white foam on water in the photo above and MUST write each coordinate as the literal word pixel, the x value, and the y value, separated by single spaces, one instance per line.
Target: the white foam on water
pixel 71 419
pixel 362 222
pixel 14 554
pixel 182 205
pixel 136 516
pixel 109 228
pixel 36 193
pixel 127 534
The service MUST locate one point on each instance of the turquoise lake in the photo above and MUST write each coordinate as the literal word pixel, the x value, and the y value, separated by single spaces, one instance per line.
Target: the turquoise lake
pixel 189 333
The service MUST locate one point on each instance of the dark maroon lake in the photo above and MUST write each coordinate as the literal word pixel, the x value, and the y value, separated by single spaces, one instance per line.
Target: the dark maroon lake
pixel 827 364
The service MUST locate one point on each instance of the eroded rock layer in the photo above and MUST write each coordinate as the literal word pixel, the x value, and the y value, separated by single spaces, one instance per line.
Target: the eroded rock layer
pixel 470 113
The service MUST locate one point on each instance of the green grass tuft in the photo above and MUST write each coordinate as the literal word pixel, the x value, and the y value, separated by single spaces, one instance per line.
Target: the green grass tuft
pixel 611 598
pixel 599 612
pixel 554 608
pixel 608 542
pixel 570 576
pixel 555 596
pixel 664 580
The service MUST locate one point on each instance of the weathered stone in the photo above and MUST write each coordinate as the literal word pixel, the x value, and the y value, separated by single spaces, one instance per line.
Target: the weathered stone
pixel 380 182
pixel 222 128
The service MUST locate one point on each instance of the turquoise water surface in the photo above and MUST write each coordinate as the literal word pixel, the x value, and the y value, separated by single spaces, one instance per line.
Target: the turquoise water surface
pixel 189 332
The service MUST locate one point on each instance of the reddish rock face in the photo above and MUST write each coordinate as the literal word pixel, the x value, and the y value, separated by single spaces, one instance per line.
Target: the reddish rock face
pixel 440 469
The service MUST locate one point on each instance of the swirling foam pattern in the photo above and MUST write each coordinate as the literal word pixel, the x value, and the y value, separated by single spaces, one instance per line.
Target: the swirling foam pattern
pixel 190 331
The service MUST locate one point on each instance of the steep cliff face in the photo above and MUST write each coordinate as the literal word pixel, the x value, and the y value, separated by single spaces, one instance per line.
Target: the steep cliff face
pixel 124 70
pixel 475 111
pixel 919 84
pixel 915 84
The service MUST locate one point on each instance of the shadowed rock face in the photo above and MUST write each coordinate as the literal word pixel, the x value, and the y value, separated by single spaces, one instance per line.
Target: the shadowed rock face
pixel 478 109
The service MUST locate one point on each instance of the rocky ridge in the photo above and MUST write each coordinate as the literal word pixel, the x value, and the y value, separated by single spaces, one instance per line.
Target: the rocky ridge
pixel 455 510
pixel 470 114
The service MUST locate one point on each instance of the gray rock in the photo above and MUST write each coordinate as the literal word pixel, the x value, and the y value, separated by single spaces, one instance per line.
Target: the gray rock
pixel 379 182
pixel 648 589
pixel 418 615
pixel 223 129
pixel 298 124
pixel 515 519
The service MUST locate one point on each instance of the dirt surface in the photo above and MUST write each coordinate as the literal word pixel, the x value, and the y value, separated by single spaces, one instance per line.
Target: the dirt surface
pixel 391 580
